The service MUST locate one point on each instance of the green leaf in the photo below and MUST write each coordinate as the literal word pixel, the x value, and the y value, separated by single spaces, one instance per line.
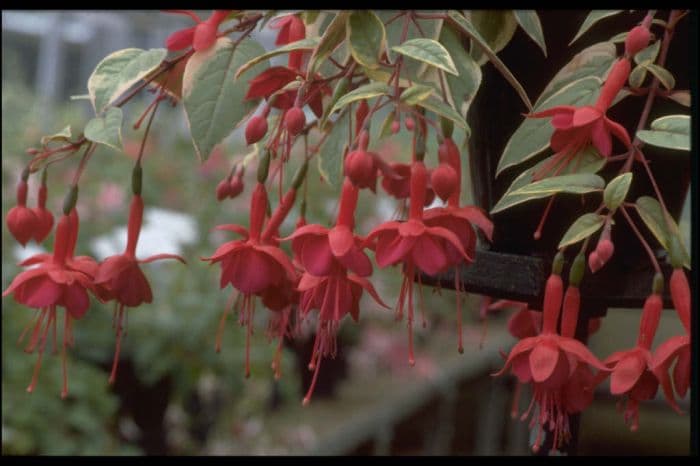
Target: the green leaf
pixel 496 27
pixel 367 37
pixel 595 60
pixel 592 18
pixel 64 136
pixel 533 134
pixel 616 191
pixel 303 44
pixel 332 37
pixel 618 38
pixel 530 22
pixel 670 132
pixel 662 74
pixel 385 128
pixel 650 211
pixel 580 183
pixel 466 27
pixel 416 94
pixel 331 153
pixel 118 71
pixel 586 161
pixel 637 76
pixel 213 98
pixel 441 108
pixel 106 129
pixel 428 51
pixel 582 228
pixel 648 54
pixel 363 92
pixel 461 89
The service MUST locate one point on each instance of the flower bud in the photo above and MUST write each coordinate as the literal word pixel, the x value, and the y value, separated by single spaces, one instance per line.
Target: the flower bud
pixel 680 295
pixel 409 123
pixel 255 130
pixel 236 186
pixel 637 40
pixel 43 215
pixel 444 181
pixel 605 249
pixel 594 262
pixel 222 189
pixel 294 120
pixel 395 126
pixel 361 169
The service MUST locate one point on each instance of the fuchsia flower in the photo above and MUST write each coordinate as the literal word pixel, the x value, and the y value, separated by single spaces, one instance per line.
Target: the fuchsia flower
pixel 458 220
pixel 292 29
pixel 319 249
pixel 555 365
pixel 577 127
pixel 251 266
pixel 122 277
pixel 201 36
pixel 54 282
pixel 326 285
pixel 414 244
pixel 631 373
pixel 675 348
pixel 21 220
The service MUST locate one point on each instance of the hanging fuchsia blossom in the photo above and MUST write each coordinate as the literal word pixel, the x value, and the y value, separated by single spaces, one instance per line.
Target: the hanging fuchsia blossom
pixel 122 276
pixel 575 128
pixel 51 284
pixel 21 220
pixel 415 245
pixel 291 29
pixel 199 37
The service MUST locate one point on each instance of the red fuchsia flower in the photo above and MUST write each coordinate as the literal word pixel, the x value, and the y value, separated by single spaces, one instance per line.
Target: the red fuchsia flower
pixel 458 220
pixel 251 266
pixel 334 295
pixel 319 249
pixel 256 128
pixel 676 348
pixel 631 375
pixel 417 246
pixel 201 36
pixel 575 128
pixel 43 215
pixel 122 276
pixel 49 285
pixel 291 29
pixel 21 220
pixel 638 37
pixel 555 366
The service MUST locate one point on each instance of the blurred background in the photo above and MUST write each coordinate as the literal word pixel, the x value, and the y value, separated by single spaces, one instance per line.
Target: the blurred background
pixel 174 394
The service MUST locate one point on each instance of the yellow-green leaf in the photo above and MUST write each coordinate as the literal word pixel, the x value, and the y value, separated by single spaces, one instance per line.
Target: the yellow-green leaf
pixel 580 183
pixel 648 54
pixel 464 25
pixel 670 132
pixel 428 51
pixel 213 98
pixel 582 228
pixel 441 108
pixel 662 74
pixel 650 211
pixel 367 37
pixel 592 18
pixel 118 71
pixel 332 37
pixel 530 22
pixel 106 129
pixel 415 94
pixel 363 92
pixel 496 27
pixel 616 191
pixel 303 44
pixel 331 153
pixel 64 136
pixel 461 89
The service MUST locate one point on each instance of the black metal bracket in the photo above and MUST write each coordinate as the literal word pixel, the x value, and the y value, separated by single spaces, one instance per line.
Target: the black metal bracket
pixel 522 278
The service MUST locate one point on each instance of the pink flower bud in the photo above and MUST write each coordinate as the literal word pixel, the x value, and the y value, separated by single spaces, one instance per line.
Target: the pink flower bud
pixel 222 190
pixel 236 186
pixel 294 120
pixel 594 262
pixel 361 169
pixel 21 220
pixel 410 124
pixel 395 127
pixel 637 40
pixel 605 249
pixel 255 130
pixel 444 181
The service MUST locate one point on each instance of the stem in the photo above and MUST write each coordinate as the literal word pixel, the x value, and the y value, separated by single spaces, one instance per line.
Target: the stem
pixel 649 252
pixel 83 161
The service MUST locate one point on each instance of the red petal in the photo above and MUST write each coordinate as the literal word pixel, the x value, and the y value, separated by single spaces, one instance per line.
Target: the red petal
pixel 429 255
pixel 157 257
pixel 39 292
pixel 579 350
pixel 452 238
pixel 392 248
pixel 478 217
pixel 76 300
pixel 181 39
pixel 543 361
pixel 204 36
pixel 341 240
pixel 235 228
pixel 357 261
pixel 626 374
pixel 522 346
pixel 367 285
pixel 681 373
pixel 312 229
pixel 601 138
pixel 270 81
pixel 316 255
pixel 619 131
pixel 585 115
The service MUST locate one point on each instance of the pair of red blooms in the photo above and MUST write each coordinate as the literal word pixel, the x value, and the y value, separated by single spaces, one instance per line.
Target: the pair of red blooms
pixel 63 280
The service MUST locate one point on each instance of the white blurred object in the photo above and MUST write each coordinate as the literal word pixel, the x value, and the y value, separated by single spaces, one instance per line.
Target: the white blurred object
pixel 22 253
pixel 164 231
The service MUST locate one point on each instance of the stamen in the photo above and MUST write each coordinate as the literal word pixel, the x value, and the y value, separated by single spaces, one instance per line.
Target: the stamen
pixel 538 233
pixel 37 366
pixel 35 333
pixel 64 363
pixel 409 276
pixel 115 362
